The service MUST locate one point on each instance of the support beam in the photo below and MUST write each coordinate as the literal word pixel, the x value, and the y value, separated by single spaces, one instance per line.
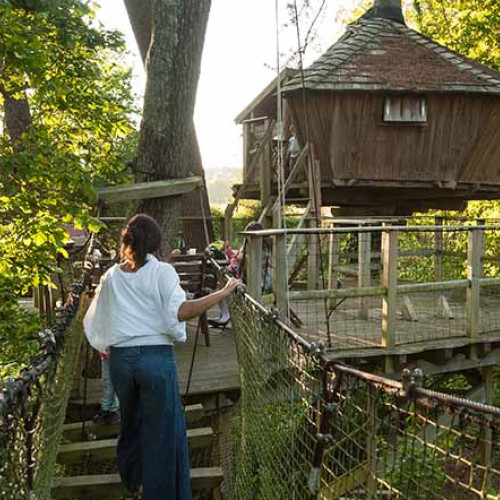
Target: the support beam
pixel 253 262
pixel 280 278
pixel 146 190
pixel 364 271
pixel 409 313
pixel 333 264
pixel 314 242
pixel 389 283
pixel 266 169
pixel 231 207
pixel 474 271
pixel 486 447
pixel 444 309
pixel 438 249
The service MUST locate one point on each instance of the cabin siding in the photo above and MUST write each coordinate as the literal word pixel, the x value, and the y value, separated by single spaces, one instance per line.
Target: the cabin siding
pixel 459 142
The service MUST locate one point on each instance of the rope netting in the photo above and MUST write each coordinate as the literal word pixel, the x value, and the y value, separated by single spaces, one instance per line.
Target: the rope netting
pixel 307 428
pixel 33 407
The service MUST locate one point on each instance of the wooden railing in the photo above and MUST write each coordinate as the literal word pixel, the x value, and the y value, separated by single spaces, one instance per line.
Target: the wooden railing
pixel 390 261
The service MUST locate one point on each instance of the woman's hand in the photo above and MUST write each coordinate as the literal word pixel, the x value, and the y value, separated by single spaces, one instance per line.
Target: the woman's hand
pixel 230 286
pixel 193 308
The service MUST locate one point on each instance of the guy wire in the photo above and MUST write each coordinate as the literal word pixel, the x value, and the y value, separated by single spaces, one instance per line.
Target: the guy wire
pixel 315 194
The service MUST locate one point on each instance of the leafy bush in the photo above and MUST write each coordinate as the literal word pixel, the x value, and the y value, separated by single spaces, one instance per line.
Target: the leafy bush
pixel 18 329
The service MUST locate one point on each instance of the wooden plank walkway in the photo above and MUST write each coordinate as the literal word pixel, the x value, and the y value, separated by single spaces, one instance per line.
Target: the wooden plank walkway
pixel 215 367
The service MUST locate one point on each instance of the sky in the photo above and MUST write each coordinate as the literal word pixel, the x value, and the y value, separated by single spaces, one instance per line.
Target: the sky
pixel 239 60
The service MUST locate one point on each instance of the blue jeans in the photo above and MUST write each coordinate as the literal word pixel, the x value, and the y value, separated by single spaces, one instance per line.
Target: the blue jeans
pixel 109 400
pixel 152 447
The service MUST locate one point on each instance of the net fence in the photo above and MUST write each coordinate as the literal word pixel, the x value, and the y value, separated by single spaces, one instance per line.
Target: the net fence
pixel 353 270
pixel 309 428
pixel 33 407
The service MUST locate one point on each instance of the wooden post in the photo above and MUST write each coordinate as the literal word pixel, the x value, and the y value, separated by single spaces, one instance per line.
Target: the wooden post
pixel 246 147
pixel 487 435
pixel 474 267
pixel 41 301
pixel 333 264
pixel 266 167
pixel 228 222
pixel 438 249
pixel 364 271
pixel 389 283
pixel 276 214
pixel 314 239
pixel 371 441
pixel 36 297
pixel 280 278
pixel 48 303
pixel 312 258
pixel 253 261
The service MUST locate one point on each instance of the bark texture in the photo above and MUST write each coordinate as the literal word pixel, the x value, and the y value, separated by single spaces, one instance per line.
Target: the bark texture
pixel 17 116
pixel 170 35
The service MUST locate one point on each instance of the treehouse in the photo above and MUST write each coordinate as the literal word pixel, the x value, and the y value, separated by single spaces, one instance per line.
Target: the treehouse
pixel 392 121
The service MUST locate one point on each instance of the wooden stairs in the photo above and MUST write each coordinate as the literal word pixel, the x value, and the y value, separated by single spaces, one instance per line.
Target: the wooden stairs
pixel 96 443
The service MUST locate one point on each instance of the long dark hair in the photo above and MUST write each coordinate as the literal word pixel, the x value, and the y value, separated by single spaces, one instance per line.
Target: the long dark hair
pixel 142 235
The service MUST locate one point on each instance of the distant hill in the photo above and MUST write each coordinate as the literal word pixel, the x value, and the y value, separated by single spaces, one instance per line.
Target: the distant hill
pixel 219 182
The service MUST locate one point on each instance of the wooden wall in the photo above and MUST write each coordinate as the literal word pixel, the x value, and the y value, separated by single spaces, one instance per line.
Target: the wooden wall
pixel 460 142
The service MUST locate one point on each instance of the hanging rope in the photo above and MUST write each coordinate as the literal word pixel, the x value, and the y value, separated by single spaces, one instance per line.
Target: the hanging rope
pixel 317 215
pixel 203 272
pixel 281 167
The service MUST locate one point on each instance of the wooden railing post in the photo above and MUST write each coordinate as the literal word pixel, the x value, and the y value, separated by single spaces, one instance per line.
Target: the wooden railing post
pixel 333 264
pixel 266 166
pixel 254 266
pixel 474 272
pixel 228 222
pixel 280 278
pixel 438 249
pixel 364 271
pixel 389 283
pixel 314 181
pixel 312 258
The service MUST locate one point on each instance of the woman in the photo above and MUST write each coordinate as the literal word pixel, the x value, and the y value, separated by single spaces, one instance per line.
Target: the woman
pixel 138 312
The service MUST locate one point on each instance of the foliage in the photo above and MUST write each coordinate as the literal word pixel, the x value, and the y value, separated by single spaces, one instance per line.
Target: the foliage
pixel 259 466
pixel 63 75
pixel 69 73
pixel 470 27
pixel 17 327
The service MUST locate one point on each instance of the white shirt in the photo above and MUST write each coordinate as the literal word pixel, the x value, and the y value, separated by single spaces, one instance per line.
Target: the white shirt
pixel 293 147
pixel 136 308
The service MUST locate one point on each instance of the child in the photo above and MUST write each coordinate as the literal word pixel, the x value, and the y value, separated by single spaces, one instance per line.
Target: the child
pixel 109 401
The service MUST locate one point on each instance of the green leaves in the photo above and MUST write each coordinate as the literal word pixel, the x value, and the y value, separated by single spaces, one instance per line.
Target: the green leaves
pixel 471 27
pixel 70 74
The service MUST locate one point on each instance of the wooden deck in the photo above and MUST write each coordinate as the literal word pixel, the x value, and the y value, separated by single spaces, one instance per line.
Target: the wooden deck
pixel 215 367
pixel 350 332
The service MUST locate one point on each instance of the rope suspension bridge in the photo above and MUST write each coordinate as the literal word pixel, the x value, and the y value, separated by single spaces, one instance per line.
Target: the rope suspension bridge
pixel 304 427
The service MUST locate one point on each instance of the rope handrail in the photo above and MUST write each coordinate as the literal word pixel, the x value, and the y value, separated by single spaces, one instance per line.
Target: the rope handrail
pixel 369 229
pixel 316 350
pixel 51 343
pixel 33 405
pixel 309 427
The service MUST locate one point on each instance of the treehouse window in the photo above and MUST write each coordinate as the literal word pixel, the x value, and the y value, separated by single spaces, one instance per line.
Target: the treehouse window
pixel 405 109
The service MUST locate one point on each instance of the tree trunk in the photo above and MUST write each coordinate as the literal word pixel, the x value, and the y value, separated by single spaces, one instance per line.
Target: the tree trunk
pixel 141 15
pixel 17 116
pixel 166 137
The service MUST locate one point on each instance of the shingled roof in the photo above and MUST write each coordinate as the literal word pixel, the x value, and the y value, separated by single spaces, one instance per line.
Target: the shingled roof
pixel 381 54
